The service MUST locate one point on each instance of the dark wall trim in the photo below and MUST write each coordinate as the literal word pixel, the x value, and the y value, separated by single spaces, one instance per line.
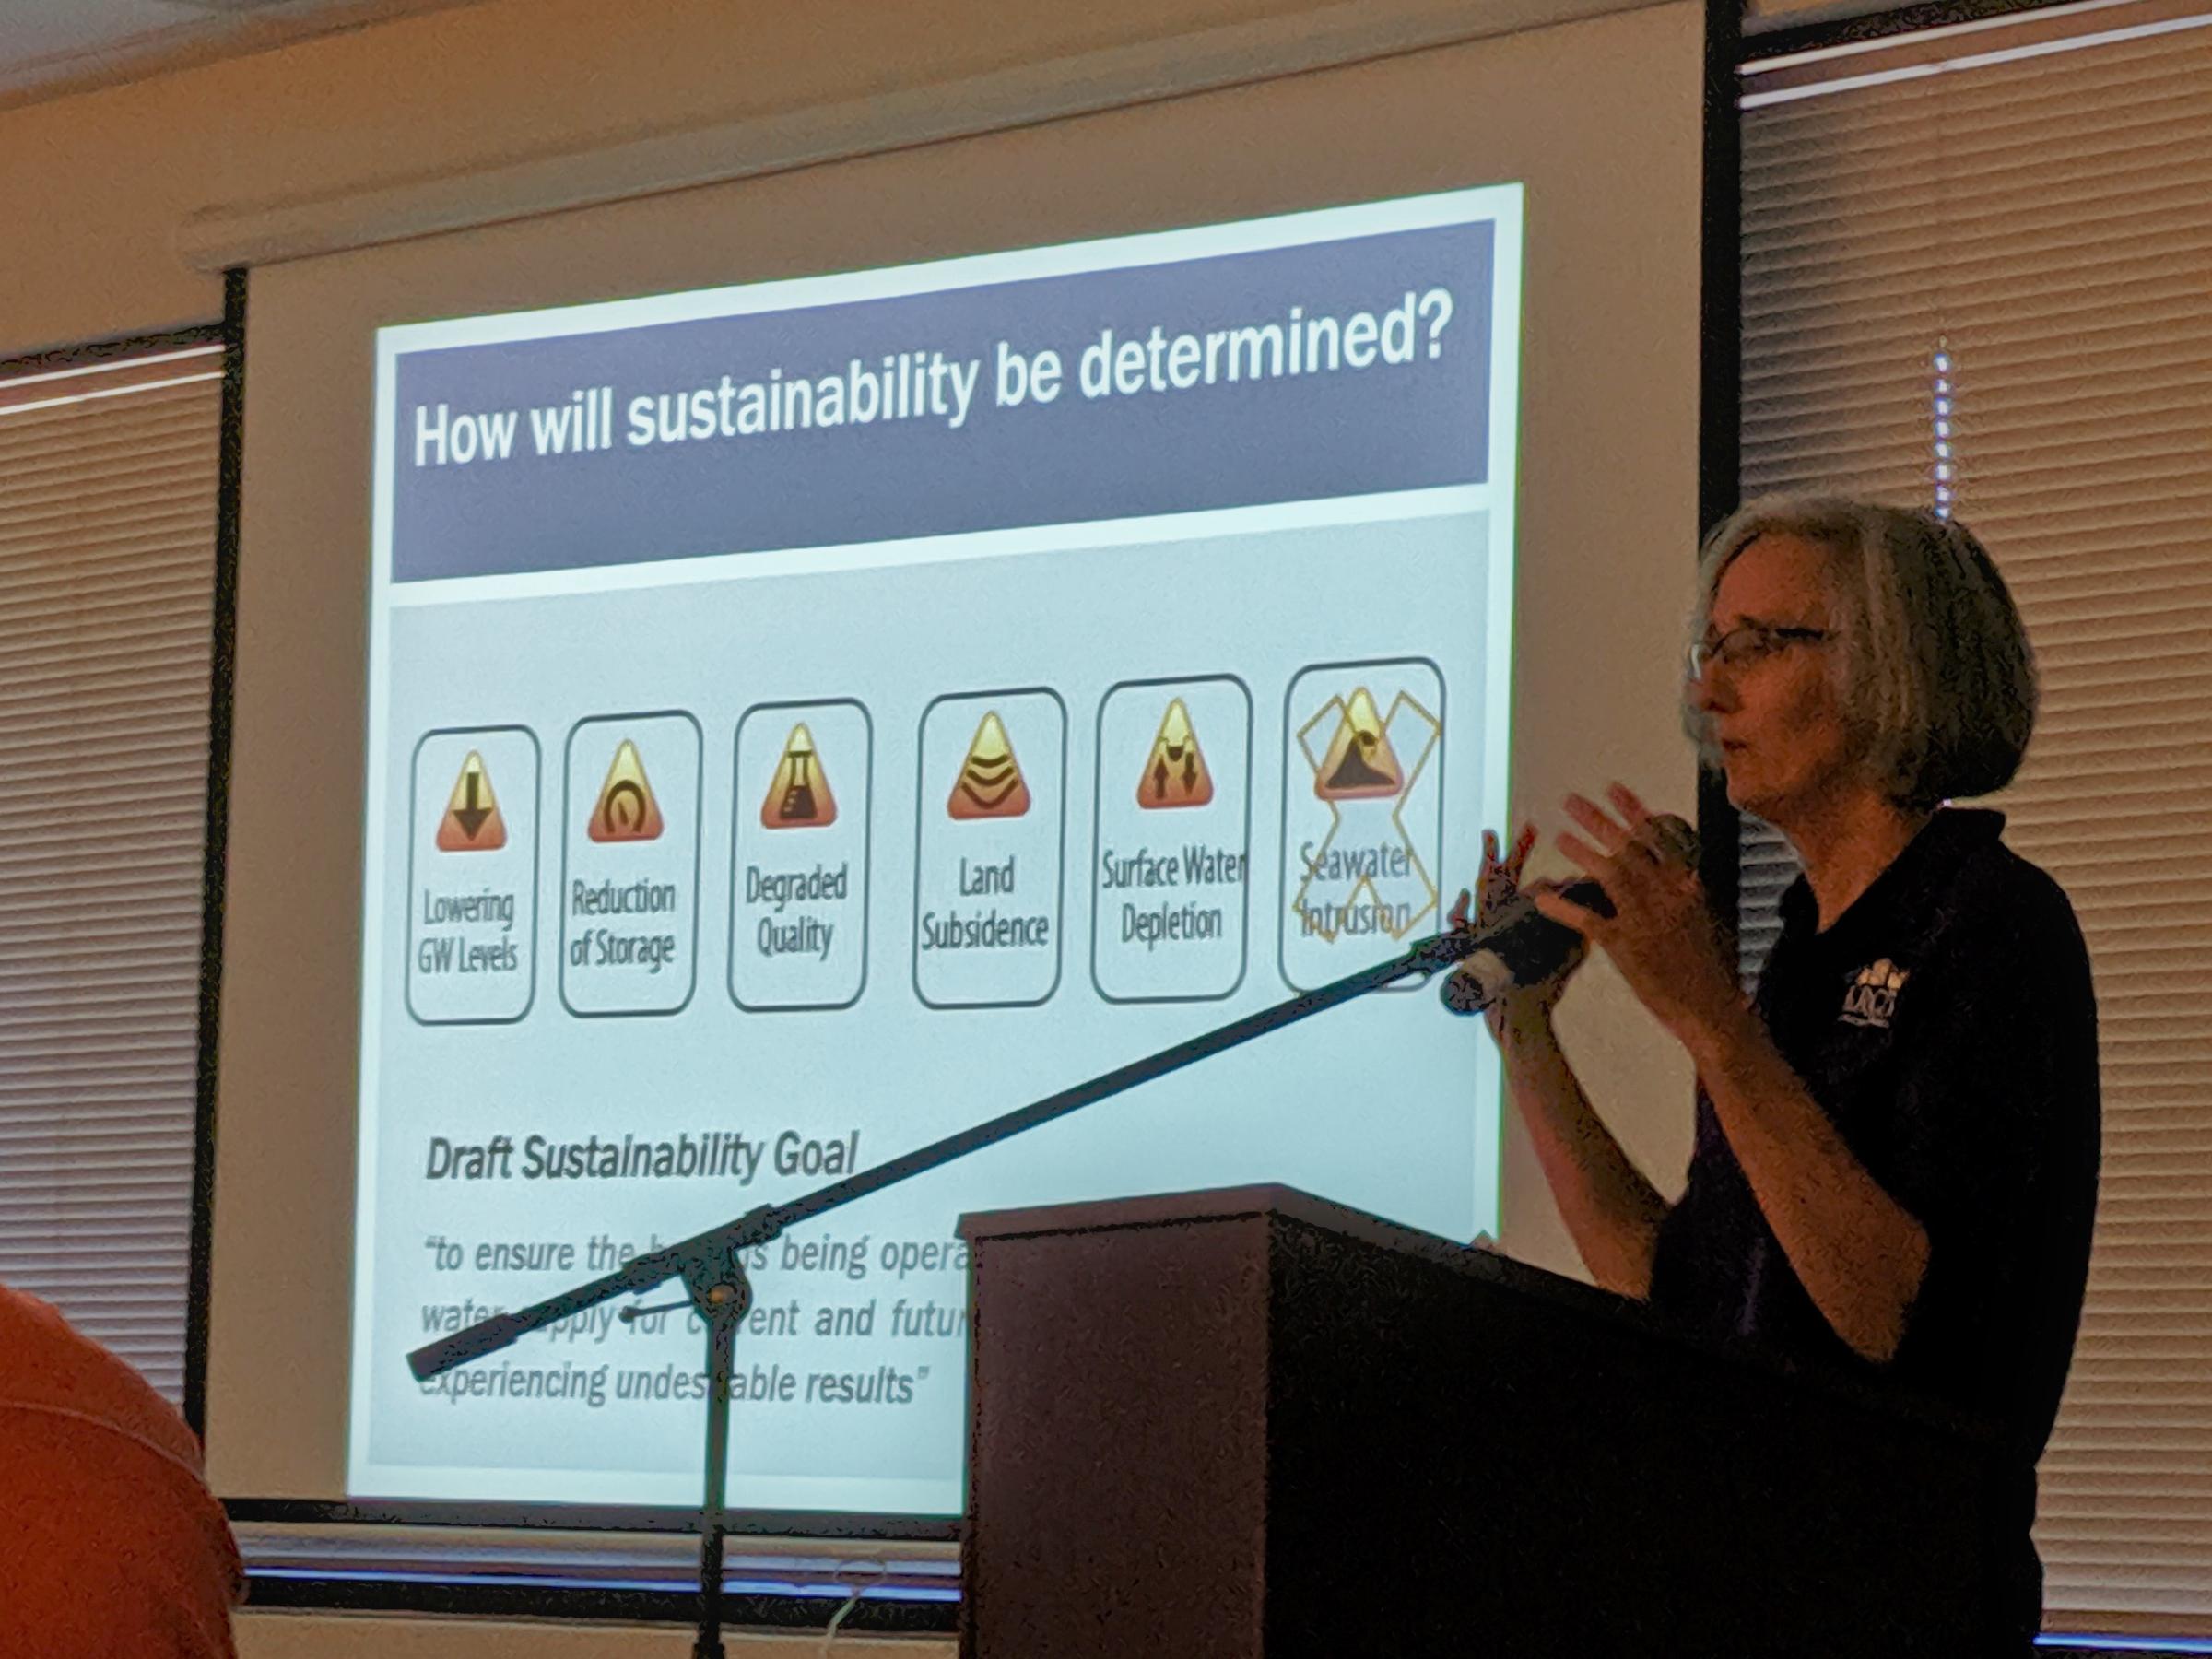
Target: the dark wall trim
pixel 1720 385
pixel 588 1517
pixel 676 1605
pixel 126 346
pixel 223 674
pixel 1884 24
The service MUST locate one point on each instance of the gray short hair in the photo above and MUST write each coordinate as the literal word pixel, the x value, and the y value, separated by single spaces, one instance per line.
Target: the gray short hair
pixel 1935 668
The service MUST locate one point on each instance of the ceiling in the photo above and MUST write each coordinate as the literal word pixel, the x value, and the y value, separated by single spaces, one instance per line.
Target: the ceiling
pixel 51 47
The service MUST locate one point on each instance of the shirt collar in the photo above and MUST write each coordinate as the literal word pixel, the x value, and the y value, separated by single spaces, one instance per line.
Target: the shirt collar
pixel 1902 892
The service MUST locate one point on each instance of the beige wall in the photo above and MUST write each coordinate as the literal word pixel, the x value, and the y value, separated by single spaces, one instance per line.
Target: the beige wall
pixel 94 187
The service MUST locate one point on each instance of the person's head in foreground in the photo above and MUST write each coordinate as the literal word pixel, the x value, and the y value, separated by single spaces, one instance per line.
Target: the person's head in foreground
pixel 111 1543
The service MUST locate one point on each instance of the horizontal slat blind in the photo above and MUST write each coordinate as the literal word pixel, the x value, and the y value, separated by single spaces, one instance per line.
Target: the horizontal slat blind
pixel 1840 338
pixel 106 576
pixel 2045 223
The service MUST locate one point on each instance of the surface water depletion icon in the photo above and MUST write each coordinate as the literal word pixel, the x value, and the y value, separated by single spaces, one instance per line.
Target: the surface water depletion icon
pixel 1175 771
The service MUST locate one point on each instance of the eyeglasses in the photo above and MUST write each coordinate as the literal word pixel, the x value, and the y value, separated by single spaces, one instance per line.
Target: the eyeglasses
pixel 1753 642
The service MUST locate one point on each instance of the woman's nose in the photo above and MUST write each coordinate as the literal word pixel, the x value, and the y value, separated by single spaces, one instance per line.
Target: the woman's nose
pixel 1705 692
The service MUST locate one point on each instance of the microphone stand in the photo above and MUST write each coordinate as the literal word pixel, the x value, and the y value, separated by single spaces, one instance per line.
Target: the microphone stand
pixel 711 1266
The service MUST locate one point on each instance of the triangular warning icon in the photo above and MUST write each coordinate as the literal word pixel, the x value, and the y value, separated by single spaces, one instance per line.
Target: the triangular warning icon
pixel 798 796
pixel 1175 772
pixel 990 785
pixel 471 823
pixel 626 809
pixel 1360 764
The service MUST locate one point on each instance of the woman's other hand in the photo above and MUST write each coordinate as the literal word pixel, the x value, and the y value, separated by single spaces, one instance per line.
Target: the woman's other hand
pixel 1661 935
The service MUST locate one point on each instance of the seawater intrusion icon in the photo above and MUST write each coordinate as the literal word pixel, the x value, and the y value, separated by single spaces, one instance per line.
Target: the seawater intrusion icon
pixel 1175 772
pixel 1366 876
pixel 990 785
pixel 471 823
pixel 798 795
pixel 1359 764
pixel 626 811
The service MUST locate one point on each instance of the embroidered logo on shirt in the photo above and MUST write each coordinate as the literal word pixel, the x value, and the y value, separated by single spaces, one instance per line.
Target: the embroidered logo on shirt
pixel 1870 999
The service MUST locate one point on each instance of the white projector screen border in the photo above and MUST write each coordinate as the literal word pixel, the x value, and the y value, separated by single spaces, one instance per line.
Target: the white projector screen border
pixel 1609 216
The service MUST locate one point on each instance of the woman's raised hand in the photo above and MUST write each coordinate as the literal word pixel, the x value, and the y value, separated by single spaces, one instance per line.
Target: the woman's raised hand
pixel 1497 885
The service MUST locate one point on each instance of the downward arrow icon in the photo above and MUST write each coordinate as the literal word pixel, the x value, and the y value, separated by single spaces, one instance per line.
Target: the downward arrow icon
pixel 471 823
pixel 470 817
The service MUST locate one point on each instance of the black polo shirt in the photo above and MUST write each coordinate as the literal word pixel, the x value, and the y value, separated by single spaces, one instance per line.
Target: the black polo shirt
pixel 1947 1024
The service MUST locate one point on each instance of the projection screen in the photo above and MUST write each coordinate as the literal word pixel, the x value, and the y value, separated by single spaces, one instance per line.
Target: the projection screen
pixel 738 683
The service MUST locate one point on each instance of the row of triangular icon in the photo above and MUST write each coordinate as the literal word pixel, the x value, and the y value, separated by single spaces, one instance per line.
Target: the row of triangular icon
pixel 1360 765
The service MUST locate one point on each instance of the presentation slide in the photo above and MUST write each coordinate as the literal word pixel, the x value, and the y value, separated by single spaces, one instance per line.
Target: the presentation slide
pixel 809 718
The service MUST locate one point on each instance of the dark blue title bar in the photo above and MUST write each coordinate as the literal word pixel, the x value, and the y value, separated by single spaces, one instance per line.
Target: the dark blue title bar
pixel 1333 369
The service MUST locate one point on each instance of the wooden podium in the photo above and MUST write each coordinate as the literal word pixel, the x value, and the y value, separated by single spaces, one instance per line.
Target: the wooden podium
pixel 1251 1422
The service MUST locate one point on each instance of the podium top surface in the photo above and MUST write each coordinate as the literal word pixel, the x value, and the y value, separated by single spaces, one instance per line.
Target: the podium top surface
pixel 1213 1203
pixel 1286 1202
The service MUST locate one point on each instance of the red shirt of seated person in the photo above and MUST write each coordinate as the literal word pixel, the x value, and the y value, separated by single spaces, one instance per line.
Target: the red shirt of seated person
pixel 109 1541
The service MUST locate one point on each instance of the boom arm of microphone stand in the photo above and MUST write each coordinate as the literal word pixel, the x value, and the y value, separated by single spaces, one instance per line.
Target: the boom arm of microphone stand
pixel 639 1273
pixel 686 1257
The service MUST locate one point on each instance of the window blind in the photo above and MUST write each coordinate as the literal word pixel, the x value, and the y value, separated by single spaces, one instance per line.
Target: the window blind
pixel 2008 229
pixel 107 574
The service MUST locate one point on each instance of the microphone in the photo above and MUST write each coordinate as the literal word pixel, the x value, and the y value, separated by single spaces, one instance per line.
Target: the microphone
pixel 1524 946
